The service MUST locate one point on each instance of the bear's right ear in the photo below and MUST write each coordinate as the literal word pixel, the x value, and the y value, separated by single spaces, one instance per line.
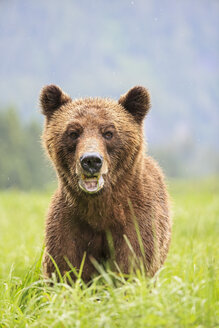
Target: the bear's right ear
pixel 51 98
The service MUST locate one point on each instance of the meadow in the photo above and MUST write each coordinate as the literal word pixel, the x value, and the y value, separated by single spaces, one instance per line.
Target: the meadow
pixel 185 293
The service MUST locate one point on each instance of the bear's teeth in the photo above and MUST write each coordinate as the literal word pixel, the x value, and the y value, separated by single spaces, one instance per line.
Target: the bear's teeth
pixel 91 185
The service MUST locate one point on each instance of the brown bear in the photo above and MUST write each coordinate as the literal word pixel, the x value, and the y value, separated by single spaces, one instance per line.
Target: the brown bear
pixel 111 203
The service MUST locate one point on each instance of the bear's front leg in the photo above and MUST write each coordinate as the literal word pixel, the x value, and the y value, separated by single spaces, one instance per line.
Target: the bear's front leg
pixel 130 253
pixel 68 262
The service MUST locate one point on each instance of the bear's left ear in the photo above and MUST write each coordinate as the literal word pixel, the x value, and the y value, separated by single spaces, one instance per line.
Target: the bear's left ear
pixel 137 102
pixel 51 98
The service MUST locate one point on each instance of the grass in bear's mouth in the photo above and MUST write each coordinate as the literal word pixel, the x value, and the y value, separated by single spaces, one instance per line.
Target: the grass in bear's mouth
pixel 90 177
pixel 186 292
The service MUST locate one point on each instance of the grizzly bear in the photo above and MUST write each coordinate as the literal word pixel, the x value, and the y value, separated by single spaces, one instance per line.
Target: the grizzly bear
pixel 111 204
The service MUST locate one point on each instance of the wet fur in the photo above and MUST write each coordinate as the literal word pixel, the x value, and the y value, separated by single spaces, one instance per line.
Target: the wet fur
pixel 134 187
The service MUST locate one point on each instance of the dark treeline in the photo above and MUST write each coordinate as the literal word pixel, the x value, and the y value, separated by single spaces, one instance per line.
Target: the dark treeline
pixel 23 164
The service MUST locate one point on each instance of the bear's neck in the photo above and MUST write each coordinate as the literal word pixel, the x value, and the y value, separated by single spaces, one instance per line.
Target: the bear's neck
pixel 101 212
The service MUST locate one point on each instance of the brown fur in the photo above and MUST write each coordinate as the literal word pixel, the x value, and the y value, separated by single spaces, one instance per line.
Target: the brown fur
pixel 133 194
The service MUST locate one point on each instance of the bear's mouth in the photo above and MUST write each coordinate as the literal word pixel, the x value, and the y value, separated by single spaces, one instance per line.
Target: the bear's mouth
pixel 91 184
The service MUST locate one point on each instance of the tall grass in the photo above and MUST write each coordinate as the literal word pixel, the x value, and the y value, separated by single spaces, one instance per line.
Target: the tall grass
pixel 185 293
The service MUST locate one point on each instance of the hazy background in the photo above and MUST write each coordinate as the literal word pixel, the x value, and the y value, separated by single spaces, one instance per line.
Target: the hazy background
pixel 102 48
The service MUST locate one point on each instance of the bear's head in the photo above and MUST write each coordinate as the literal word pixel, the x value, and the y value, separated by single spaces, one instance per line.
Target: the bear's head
pixel 94 143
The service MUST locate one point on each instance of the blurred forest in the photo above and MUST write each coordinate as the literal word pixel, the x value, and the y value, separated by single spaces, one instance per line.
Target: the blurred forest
pixel 22 163
pixel 102 48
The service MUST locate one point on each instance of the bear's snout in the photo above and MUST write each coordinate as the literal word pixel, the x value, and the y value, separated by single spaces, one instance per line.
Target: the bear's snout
pixel 91 179
pixel 91 162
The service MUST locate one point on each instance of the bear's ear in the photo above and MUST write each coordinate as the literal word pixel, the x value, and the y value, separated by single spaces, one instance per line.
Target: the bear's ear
pixel 51 98
pixel 137 102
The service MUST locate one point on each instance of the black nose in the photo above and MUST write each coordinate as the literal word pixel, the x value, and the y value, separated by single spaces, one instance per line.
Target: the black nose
pixel 91 162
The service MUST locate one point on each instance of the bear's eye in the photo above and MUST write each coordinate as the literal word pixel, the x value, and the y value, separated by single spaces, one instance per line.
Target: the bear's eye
pixel 108 135
pixel 74 135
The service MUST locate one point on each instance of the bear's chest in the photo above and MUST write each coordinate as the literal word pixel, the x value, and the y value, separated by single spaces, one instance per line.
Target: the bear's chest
pixel 93 243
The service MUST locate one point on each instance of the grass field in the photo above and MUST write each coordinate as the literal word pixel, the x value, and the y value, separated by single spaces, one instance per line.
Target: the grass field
pixel 186 293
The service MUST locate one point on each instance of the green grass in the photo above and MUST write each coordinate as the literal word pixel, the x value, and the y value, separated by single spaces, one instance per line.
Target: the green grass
pixel 186 292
